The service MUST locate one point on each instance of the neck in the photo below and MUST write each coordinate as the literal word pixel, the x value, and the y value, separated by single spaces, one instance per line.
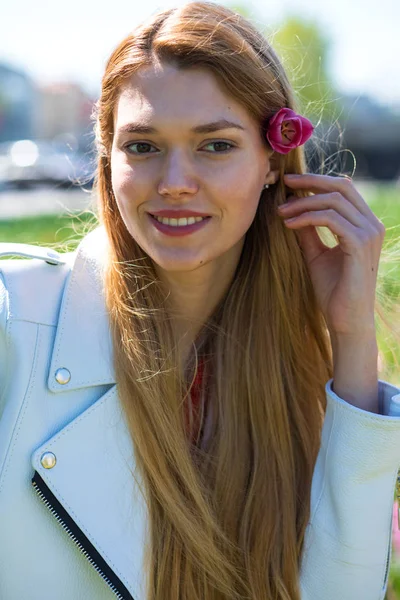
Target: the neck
pixel 194 295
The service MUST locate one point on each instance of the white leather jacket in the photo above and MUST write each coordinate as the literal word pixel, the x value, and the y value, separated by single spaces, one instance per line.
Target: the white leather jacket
pixel 72 518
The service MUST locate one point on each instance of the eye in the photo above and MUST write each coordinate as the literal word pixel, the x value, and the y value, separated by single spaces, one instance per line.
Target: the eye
pixel 221 147
pixel 142 147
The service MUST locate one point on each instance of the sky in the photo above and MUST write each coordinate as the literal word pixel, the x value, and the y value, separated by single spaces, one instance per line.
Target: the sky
pixel 57 41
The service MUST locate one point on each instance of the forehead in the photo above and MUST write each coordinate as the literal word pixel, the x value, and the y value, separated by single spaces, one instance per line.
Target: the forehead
pixel 165 93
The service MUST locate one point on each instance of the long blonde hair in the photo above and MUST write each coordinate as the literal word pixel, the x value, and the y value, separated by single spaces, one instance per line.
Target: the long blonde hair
pixel 227 518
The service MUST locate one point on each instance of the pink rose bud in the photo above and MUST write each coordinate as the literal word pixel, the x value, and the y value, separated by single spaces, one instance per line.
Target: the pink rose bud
pixel 287 130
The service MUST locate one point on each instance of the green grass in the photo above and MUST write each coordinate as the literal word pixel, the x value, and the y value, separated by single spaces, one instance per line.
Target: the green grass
pixel 47 230
pixel 384 201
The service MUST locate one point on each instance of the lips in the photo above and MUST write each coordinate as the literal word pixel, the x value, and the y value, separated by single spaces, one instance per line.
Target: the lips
pixel 178 231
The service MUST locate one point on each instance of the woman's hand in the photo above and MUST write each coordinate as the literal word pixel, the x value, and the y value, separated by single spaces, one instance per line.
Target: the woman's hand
pixel 344 277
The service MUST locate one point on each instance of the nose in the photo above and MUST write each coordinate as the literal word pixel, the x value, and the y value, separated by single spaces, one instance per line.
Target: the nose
pixel 177 176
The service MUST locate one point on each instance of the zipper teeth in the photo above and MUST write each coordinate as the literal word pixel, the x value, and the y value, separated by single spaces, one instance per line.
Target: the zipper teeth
pixel 388 559
pixel 76 541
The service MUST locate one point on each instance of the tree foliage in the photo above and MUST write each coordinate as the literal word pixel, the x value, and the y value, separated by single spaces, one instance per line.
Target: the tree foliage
pixel 304 51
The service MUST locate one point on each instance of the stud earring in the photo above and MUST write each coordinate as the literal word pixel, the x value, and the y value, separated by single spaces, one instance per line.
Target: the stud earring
pixel 265 186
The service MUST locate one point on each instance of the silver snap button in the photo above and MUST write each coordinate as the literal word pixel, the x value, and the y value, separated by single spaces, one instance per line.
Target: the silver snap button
pixel 52 254
pixel 48 460
pixel 63 376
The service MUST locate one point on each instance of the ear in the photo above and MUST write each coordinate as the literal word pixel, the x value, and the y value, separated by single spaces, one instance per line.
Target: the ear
pixel 274 165
pixel 272 177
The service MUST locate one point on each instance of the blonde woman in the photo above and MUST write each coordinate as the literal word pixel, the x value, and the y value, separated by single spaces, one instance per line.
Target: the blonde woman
pixel 190 404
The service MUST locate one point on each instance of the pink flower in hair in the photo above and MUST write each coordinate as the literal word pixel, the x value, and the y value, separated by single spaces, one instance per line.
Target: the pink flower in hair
pixel 287 130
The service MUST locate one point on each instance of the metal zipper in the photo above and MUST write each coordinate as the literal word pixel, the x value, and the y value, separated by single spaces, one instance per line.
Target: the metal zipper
pixel 79 538
pixel 389 552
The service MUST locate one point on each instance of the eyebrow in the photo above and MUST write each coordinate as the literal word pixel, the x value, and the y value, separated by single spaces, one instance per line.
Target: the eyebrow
pixel 141 128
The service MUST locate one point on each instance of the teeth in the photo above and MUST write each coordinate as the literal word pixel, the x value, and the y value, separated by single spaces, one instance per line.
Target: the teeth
pixel 179 222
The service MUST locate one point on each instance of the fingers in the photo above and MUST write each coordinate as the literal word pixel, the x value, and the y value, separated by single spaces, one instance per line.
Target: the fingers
pixel 342 185
pixel 330 201
pixel 354 241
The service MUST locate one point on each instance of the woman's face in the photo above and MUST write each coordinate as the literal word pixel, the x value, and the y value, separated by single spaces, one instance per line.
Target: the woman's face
pixel 174 150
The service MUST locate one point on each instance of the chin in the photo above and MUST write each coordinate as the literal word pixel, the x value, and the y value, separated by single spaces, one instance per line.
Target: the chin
pixel 179 265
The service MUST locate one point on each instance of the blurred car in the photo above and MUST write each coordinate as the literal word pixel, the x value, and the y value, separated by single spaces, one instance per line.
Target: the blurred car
pixel 26 163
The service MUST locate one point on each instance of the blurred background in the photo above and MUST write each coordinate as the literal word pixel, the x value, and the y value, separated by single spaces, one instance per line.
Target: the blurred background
pixel 342 58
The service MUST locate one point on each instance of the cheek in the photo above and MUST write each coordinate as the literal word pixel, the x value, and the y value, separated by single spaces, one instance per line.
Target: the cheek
pixel 125 194
pixel 242 197
pixel 125 187
pixel 122 177
pixel 241 179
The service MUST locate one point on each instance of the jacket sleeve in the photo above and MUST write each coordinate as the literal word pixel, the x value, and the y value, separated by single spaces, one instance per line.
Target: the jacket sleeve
pixel 3 354
pixel 348 540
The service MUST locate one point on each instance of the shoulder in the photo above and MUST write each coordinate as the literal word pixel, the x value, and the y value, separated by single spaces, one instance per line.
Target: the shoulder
pixel 32 287
pixel 30 251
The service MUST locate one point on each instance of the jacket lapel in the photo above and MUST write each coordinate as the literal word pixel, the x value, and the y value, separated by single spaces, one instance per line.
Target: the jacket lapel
pixel 91 488
pixel 93 492
pixel 83 340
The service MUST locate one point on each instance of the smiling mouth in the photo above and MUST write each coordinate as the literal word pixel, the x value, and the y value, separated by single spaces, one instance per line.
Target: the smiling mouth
pixel 179 227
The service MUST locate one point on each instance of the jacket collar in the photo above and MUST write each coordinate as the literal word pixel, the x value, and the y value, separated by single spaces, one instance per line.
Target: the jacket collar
pixel 83 345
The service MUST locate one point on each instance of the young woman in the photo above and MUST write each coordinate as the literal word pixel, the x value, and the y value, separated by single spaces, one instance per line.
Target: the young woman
pixel 193 394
